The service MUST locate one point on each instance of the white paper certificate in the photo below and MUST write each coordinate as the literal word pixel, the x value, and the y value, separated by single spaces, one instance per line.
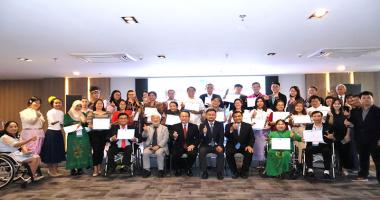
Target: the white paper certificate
pixel 301 119
pixel 280 143
pixel 258 124
pixel 251 102
pixel 125 134
pixel 101 123
pixel 314 136
pixel 220 116
pixel 148 111
pixel 207 100
pixel 172 119
pixel 279 115
pixel 72 128
pixel 231 97
pixel 192 106
pixel 247 117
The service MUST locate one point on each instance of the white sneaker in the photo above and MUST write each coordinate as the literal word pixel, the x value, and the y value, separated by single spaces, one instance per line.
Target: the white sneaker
pixel 326 172
pixel 310 170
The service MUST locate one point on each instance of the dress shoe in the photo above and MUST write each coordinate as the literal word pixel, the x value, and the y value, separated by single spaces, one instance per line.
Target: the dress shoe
pixel 220 176
pixel 146 173
pixel 73 172
pixel 79 172
pixel 244 175
pixel 189 173
pixel 234 175
pixel 161 173
pixel 204 175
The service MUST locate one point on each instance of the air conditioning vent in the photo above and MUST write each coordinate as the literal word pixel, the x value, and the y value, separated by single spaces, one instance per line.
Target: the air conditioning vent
pixel 343 52
pixel 104 57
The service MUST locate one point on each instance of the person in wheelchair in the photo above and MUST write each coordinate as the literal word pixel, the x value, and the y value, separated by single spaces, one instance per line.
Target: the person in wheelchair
pixel 324 148
pixel 11 145
pixel 278 161
pixel 121 145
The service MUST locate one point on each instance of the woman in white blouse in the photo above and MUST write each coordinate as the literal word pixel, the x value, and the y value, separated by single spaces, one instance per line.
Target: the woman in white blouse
pixel 32 121
pixel 53 148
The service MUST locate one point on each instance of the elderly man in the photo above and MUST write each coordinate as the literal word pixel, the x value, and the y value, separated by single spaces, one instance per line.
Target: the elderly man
pixel 341 92
pixel 209 95
pixel 157 137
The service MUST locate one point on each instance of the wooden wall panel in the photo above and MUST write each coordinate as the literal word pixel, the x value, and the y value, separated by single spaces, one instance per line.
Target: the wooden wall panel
pixel 78 86
pixel 366 79
pixel 104 84
pixel 318 80
pixel 338 78
pixel 52 87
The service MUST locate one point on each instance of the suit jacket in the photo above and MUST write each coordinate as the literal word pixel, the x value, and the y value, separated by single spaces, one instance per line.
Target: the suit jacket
pixel 243 98
pixel 113 131
pixel 203 97
pixel 217 134
pixel 326 128
pixel 162 137
pixel 192 135
pixel 367 130
pixel 270 104
pixel 246 137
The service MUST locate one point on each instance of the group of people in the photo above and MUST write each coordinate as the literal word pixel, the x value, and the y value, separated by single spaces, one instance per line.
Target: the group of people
pixel 196 126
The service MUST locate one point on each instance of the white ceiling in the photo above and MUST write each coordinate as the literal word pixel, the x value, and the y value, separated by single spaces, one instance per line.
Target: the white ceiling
pixel 195 36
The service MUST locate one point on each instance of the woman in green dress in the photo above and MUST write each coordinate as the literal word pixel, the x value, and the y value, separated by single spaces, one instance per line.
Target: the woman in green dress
pixel 278 160
pixel 78 143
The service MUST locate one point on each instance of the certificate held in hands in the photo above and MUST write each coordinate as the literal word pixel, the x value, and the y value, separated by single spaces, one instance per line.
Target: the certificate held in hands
pixel 101 123
pixel 172 119
pixel 280 143
pixel 126 134
pixel 314 136
pixel 301 119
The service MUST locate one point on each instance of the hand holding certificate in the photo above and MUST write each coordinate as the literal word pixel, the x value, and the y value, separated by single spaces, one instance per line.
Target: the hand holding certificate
pixel 101 123
pixel 220 116
pixel 172 119
pixel 192 107
pixel 72 128
pixel 280 115
pixel 301 119
pixel 280 143
pixel 315 136
pixel 148 111
pixel 251 102
pixel 126 134
pixel 258 124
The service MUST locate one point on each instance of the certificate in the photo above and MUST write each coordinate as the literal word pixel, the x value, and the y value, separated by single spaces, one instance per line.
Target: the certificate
pixel 207 100
pixel 231 97
pixel 126 134
pixel 148 111
pixel 192 106
pixel 258 124
pixel 101 123
pixel 279 115
pixel 280 143
pixel 247 117
pixel 251 102
pixel 136 117
pixel 220 116
pixel 72 128
pixel 301 119
pixel 172 119
pixel 314 136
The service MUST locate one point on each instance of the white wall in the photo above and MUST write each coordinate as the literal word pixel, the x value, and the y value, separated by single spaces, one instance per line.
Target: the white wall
pixel 288 80
pixel 123 84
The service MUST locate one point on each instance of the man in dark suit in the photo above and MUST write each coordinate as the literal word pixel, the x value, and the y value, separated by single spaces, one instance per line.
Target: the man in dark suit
pixel 367 134
pixel 239 140
pixel 185 138
pixel 207 97
pixel 317 147
pixel 211 141
pixel 238 88
pixel 121 145
pixel 276 94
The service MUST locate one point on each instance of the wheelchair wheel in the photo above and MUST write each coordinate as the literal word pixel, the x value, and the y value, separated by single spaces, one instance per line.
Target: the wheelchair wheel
pixel 7 171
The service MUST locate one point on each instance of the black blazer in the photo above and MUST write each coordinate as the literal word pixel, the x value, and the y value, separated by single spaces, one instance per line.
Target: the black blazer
pixel 218 134
pixel 203 97
pixel 326 128
pixel 269 103
pixel 246 137
pixel 192 135
pixel 113 131
pixel 232 106
pixel 367 130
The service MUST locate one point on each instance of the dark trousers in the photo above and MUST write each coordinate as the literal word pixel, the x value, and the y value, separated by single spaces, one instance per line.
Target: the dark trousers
pixel 365 150
pixel 98 142
pixel 231 151
pixel 343 152
pixel 113 150
pixel 325 149
pixel 183 163
pixel 354 151
pixel 203 151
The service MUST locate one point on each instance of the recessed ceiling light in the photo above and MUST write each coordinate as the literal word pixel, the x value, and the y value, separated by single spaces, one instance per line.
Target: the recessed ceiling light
pixel 341 68
pixel 271 54
pixel 161 56
pixel 130 20
pixel 24 59
pixel 319 13
pixel 76 73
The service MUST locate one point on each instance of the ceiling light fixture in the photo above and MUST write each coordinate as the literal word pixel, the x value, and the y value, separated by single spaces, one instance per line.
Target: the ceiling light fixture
pixel 341 68
pixel 271 54
pixel 130 20
pixel 242 17
pixel 76 73
pixel 24 59
pixel 318 14
pixel 161 56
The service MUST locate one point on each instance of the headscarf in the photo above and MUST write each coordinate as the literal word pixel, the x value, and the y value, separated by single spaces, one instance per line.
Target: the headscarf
pixel 76 115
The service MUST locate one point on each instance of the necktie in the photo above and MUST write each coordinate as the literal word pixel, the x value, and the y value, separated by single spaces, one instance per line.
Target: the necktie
pixel 154 140
pixel 123 141
pixel 237 146
pixel 184 135
pixel 212 135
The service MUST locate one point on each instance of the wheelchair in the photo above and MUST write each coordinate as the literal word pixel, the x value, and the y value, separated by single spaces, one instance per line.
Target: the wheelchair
pixel 12 171
pixel 317 158
pixel 135 162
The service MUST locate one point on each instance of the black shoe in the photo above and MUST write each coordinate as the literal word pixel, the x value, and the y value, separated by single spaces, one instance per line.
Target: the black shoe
pixel 235 175
pixel 177 172
pixel 204 175
pixel 220 176
pixel 161 173
pixel 79 172
pixel 244 175
pixel 189 173
pixel 146 173
pixel 326 176
pixel 73 172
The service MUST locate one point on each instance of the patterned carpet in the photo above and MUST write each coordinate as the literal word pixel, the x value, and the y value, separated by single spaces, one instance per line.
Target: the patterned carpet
pixel 119 186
